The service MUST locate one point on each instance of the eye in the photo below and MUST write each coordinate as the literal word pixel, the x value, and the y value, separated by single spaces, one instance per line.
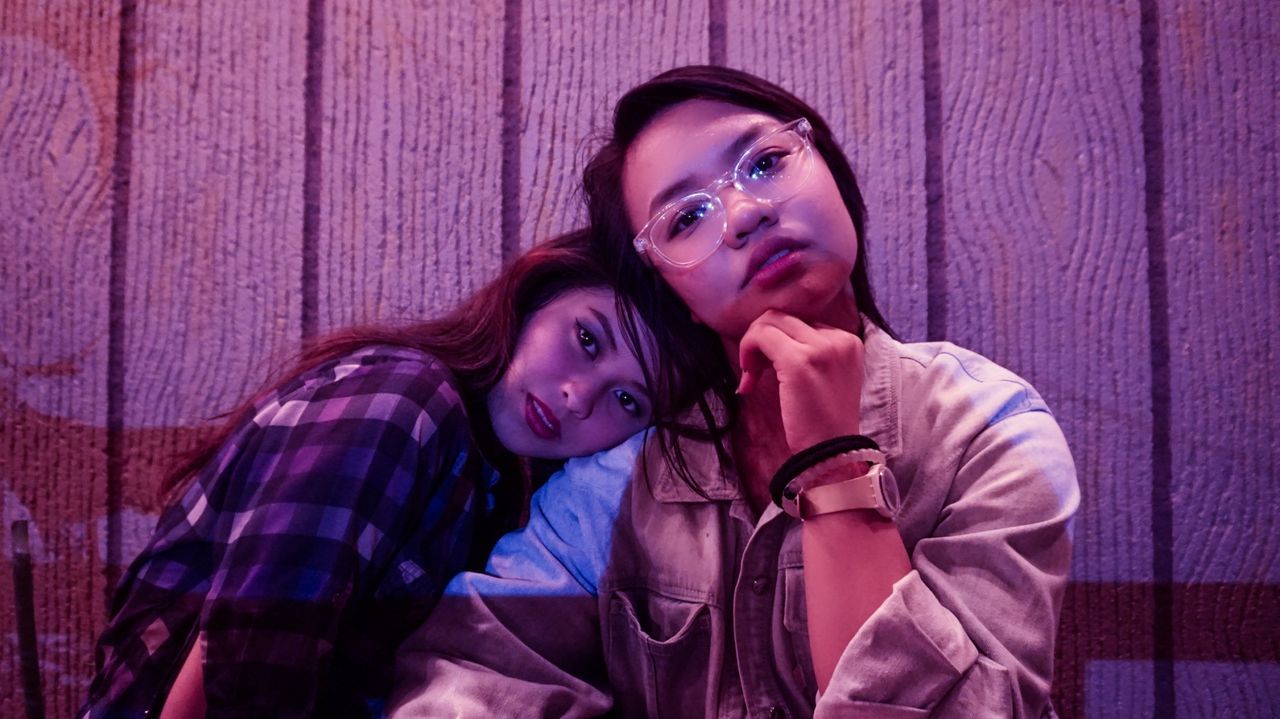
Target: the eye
pixel 587 340
pixel 683 219
pixel 627 401
pixel 769 161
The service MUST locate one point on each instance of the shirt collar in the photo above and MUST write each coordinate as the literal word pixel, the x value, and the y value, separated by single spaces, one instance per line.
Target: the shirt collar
pixel 879 419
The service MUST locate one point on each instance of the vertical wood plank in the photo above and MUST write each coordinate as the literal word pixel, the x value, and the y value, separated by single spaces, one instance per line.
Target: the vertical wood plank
pixel 578 59
pixel 1222 171
pixel 213 258
pixel 1045 240
pixel 1046 264
pixel 57 138
pixel 860 66
pixel 1221 131
pixel 411 157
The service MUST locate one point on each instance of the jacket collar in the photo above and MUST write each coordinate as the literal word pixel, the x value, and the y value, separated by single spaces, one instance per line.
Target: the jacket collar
pixel 881 389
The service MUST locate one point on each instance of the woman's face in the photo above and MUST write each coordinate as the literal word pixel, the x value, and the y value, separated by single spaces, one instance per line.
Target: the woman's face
pixel 794 256
pixel 574 387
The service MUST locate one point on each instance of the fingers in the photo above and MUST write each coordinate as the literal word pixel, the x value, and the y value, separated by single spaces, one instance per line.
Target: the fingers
pixel 778 340
pixel 763 346
pixel 795 328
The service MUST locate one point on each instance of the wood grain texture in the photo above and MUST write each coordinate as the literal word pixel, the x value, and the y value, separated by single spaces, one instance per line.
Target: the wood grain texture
pixel 213 247
pixel 1117 690
pixel 1043 231
pixel 1222 173
pixel 57 138
pixel 411 164
pixel 1102 623
pixel 578 59
pixel 1045 240
pixel 1221 131
pixel 860 66
pixel 1228 689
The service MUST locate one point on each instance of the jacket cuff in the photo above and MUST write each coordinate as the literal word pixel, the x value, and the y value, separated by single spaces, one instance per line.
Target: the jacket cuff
pixel 908 655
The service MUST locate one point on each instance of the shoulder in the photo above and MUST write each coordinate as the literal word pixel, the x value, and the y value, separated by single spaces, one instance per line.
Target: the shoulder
pixel 376 383
pixel 975 432
pixel 943 378
pixel 572 519
pixel 600 478
pixel 958 408
pixel 589 490
pixel 945 401
pixel 385 367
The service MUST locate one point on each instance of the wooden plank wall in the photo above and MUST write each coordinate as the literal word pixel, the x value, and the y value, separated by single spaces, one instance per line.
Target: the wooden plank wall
pixel 1085 192
pixel 58 98
pixel 409 157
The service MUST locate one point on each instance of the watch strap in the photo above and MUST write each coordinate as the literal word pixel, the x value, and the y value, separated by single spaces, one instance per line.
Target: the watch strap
pixel 844 467
pixel 857 493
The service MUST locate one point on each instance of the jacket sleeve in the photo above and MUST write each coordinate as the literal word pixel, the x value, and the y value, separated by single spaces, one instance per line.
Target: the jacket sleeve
pixel 523 638
pixel 970 630
pixel 324 488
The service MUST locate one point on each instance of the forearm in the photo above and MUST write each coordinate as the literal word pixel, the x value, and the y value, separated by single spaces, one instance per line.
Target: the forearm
pixel 186 697
pixel 851 561
pixel 970 628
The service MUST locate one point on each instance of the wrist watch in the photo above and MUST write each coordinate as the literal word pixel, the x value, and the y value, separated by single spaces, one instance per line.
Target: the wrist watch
pixel 877 489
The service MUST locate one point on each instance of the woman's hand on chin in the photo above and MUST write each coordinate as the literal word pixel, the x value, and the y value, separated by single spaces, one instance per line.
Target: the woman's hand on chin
pixel 819 370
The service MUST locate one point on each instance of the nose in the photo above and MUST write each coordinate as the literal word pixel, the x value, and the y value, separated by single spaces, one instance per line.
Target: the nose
pixel 579 396
pixel 745 214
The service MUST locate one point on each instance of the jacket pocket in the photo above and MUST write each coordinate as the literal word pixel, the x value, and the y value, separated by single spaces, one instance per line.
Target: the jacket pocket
pixel 659 652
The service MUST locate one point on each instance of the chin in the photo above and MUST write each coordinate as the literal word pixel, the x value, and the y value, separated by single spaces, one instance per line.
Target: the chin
pixel 816 297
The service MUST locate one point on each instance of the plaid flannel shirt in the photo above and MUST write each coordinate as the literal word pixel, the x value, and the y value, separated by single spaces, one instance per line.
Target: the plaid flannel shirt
pixel 320 534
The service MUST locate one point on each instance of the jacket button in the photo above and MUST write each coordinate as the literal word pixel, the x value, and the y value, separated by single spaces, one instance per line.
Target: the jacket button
pixel 777 713
pixel 760 585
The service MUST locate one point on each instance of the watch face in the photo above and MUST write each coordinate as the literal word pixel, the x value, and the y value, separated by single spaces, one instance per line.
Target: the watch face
pixel 889 491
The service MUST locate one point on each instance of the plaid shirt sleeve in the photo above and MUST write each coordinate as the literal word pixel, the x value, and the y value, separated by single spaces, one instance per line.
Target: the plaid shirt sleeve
pixel 328 481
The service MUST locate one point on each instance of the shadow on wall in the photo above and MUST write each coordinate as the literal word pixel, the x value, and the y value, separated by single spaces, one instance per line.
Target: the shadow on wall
pixel 53 476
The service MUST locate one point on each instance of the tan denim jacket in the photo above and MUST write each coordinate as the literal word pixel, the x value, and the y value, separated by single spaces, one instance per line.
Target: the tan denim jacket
pixel 637 597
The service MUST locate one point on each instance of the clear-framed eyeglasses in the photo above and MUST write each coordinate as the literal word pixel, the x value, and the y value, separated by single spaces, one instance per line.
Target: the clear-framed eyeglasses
pixel 772 170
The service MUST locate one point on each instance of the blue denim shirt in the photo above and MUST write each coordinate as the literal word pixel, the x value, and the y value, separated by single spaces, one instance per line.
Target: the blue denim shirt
pixel 629 593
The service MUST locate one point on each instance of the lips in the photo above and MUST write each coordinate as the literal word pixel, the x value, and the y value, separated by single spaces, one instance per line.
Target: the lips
pixel 542 421
pixel 768 254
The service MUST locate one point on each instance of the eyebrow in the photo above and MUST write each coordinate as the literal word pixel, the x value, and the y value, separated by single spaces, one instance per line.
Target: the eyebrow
pixel 730 154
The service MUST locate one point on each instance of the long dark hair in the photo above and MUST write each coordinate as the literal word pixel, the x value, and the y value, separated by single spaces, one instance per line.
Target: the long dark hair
pixel 602 188
pixel 476 341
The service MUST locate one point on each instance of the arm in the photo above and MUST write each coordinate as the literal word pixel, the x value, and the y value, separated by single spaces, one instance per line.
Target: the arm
pixel 970 630
pixel 186 696
pixel 836 607
pixel 320 493
pixel 819 372
pixel 523 638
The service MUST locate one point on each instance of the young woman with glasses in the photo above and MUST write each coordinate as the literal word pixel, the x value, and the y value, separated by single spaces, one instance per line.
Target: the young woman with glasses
pixel 320 523
pixel 875 528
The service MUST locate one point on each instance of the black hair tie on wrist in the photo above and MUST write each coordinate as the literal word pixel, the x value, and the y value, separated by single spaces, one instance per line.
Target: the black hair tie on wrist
pixel 820 452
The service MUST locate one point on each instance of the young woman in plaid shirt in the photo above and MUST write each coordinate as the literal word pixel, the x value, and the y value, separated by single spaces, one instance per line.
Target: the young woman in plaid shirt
pixel 319 525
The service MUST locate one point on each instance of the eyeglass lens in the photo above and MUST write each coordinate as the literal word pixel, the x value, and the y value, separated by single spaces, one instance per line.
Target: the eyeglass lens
pixel 771 170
